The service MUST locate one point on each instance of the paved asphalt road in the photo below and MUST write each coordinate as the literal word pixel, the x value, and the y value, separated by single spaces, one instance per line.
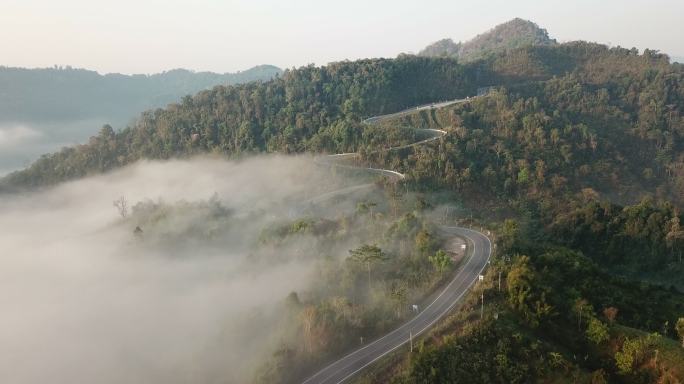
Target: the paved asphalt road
pixel 479 250
pixel 408 111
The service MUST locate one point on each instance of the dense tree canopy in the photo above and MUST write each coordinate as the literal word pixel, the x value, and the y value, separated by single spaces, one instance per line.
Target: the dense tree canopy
pixel 605 117
pixel 580 143
pixel 311 108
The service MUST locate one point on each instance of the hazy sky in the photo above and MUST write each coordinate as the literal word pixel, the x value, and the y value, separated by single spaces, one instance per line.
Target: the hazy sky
pixel 145 36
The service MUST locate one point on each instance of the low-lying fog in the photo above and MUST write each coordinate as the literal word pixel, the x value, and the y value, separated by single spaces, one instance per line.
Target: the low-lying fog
pixel 21 143
pixel 85 300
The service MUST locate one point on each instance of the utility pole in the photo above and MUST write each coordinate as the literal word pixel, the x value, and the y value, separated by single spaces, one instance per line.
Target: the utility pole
pixel 482 310
pixel 411 340
pixel 499 281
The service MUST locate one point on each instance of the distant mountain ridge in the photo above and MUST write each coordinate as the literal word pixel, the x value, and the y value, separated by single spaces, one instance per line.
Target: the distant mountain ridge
pixel 65 93
pixel 509 35
pixel 44 109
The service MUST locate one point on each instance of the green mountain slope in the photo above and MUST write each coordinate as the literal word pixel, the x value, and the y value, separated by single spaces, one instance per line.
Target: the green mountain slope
pixel 550 315
pixel 515 33
pixel 311 108
pixel 595 117
pixel 573 159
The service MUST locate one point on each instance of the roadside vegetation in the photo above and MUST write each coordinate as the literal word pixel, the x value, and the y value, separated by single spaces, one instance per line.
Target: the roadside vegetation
pixel 361 292
pixel 575 158
pixel 557 317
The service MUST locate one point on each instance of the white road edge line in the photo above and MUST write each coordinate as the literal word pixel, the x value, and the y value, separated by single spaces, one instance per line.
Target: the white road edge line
pixel 402 176
pixel 436 319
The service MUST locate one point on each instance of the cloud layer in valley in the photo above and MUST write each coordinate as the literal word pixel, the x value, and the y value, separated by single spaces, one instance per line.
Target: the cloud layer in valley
pixel 85 300
pixel 23 142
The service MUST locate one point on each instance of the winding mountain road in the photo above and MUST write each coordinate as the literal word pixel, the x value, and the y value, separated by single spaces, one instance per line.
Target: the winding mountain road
pixel 479 250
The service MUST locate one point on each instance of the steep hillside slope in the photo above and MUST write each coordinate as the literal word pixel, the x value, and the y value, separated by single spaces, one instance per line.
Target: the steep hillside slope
pixel 609 119
pixel 515 33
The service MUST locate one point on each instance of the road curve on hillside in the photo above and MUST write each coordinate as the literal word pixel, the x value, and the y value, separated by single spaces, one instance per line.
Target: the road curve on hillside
pixel 479 250
pixel 436 135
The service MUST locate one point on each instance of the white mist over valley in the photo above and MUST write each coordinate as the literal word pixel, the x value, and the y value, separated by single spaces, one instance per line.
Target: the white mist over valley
pixel 87 300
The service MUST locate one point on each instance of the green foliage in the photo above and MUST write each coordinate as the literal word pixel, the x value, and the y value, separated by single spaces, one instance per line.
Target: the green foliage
pixel 523 176
pixel 278 232
pixel 301 226
pixel 407 225
pixel 441 261
pixel 641 238
pixel 568 124
pixel 633 352
pixel 679 326
pixel 515 33
pixel 425 242
pixel 341 309
pixel 597 332
pixel 525 293
pixel 598 377
pixel 489 353
pixel 398 293
pixel 509 233
pixel 571 285
pixel 368 255
pixel 307 109
pixel 182 221
pixel 598 124
pixel 609 120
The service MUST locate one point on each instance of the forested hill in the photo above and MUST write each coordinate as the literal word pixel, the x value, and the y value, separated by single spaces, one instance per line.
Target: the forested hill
pixel 613 124
pixel 311 108
pixel 51 94
pixel 563 103
pixel 515 33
